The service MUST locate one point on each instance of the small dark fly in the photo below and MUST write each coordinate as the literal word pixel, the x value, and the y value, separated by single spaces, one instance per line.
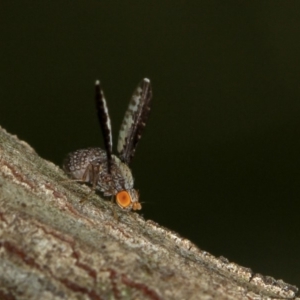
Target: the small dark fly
pixel 106 172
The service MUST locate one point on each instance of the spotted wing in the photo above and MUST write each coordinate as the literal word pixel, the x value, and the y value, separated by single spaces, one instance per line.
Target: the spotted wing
pixel 134 120
pixel 104 121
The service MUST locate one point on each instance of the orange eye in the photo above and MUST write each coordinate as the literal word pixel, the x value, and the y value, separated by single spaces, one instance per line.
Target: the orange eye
pixel 123 199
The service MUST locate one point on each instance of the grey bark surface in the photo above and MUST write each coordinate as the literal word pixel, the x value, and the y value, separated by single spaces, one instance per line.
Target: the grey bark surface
pixel 54 247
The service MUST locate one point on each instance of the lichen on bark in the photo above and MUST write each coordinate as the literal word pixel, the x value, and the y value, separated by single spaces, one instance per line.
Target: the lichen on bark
pixel 54 247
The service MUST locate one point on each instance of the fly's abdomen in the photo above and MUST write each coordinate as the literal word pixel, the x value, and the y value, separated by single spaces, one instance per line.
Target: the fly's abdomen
pixel 82 164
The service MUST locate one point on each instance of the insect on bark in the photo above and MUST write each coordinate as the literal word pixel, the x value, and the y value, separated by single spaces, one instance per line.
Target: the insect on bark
pixel 104 171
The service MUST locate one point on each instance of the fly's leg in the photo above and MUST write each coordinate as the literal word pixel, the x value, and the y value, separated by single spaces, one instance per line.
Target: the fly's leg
pixel 112 199
pixel 93 171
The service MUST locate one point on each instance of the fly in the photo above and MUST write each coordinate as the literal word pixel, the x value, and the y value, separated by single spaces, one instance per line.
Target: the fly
pixel 106 172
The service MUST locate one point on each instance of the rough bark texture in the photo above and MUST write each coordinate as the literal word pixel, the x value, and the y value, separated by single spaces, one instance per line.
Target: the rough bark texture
pixel 54 247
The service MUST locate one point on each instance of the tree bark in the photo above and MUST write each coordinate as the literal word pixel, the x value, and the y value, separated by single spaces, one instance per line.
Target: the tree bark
pixel 54 247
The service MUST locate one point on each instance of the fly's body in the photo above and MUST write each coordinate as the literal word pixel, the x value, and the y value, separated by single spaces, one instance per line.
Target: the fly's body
pixel 100 168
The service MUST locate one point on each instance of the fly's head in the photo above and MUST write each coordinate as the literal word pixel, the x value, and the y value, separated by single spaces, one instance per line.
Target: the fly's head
pixel 126 196
pixel 128 200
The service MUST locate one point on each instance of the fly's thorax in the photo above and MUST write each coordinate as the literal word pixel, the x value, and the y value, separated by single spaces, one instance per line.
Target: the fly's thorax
pixel 128 200
pixel 118 179
pixel 125 173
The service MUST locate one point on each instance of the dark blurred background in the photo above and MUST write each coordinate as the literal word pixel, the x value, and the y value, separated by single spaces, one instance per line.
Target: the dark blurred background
pixel 219 160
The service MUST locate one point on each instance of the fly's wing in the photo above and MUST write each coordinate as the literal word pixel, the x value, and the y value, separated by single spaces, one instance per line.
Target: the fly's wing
pixel 134 120
pixel 104 121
